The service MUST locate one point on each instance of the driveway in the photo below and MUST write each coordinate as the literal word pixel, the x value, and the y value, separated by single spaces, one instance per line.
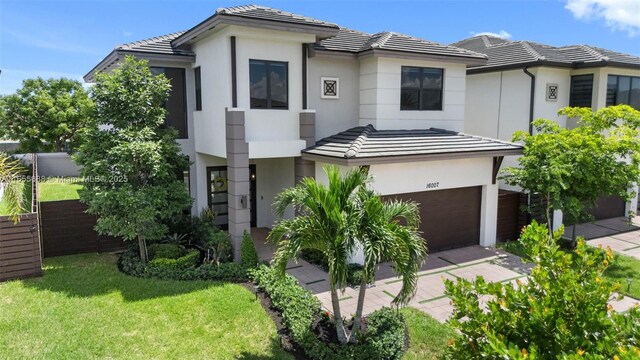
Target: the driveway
pixel 493 264
pixel 617 233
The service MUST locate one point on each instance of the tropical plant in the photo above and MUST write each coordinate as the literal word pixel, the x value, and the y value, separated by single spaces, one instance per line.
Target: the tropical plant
pixel 11 191
pixel 45 115
pixel 130 159
pixel 571 168
pixel 561 311
pixel 332 220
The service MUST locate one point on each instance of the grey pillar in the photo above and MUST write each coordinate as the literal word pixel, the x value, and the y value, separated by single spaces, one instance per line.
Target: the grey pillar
pixel 306 168
pixel 238 179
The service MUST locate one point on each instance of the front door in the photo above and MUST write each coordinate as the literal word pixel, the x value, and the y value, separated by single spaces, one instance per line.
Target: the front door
pixel 218 199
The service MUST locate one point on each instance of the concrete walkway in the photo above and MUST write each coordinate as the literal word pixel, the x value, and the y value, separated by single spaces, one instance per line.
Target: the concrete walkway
pixel 617 233
pixel 494 265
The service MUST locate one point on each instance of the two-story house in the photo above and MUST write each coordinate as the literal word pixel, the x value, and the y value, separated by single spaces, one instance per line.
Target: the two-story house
pixel 263 97
pixel 524 80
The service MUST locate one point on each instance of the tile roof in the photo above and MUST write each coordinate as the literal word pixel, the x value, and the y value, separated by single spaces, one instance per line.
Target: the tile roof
pixel 267 13
pixel 157 45
pixel 505 53
pixel 367 143
pixel 353 41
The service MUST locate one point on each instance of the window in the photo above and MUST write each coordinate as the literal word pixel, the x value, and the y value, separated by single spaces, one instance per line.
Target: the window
pixel 196 73
pixel 623 90
pixel 421 88
pixel 268 84
pixel 176 104
pixel 581 90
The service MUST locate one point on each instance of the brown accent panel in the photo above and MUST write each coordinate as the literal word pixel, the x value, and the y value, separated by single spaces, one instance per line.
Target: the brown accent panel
pixel 68 230
pixel 509 215
pixel 608 207
pixel 450 218
pixel 176 103
pixel 20 247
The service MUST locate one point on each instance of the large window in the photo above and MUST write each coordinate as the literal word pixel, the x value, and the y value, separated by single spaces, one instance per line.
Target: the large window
pixel 268 84
pixel 198 85
pixel 421 88
pixel 581 90
pixel 176 104
pixel 623 90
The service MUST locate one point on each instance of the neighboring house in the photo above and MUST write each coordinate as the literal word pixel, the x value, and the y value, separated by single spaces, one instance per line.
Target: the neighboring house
pixel 523 81
pixel 262 98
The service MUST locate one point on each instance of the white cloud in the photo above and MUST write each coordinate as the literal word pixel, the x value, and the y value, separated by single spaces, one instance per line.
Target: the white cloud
pixel 501 34
pixel 621 15
pixel 11 79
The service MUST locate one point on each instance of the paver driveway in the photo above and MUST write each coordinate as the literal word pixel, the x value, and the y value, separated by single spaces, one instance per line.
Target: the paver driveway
pixel 617 233
pixel 493 264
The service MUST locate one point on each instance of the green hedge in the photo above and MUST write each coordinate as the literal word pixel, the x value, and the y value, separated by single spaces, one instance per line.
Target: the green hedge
pixel 384 337
pixel 183 268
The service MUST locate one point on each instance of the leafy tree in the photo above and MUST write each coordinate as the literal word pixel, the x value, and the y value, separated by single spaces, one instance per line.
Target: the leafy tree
pixel 130 161
pixel 45 115
pixel 571 169
pixel 560 312
pixel 341 217
pixel 12 191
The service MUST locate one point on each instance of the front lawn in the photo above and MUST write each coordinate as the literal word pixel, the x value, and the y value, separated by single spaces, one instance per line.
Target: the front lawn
pixel 55 189
pixel 84 308
pixel 428 337
pixel 622 268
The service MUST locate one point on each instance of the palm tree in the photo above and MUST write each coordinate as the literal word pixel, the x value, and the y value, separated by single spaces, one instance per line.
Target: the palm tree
pixel 11 189
pixel 331 220
pixel 383 237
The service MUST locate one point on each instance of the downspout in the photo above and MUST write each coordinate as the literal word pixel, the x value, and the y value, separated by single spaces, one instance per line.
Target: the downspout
pixel 531 98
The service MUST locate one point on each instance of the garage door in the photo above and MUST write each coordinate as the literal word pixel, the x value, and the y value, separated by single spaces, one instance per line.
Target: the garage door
pixel 608 207
pixel 450 218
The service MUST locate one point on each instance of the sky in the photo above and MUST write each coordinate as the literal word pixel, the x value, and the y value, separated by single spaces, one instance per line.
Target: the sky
pixel 51 38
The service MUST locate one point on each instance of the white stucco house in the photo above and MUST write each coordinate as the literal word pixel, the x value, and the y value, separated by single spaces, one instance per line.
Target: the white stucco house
pixel 524 80
pixel 262 98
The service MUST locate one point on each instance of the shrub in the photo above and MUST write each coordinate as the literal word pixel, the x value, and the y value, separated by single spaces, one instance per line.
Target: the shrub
pixel 248 254
pixel 315 257
pixel 186 261
pixel 562 311
pixel 165 251
pixel 383 339
pixel 218 247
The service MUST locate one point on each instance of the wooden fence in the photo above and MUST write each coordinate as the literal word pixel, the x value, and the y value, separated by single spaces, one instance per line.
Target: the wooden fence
pixel 20 254
pixel 68 230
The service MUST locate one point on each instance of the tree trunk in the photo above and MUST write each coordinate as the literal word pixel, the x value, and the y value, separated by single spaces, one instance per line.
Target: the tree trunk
pixel 337 317
pixel 143 249
pixel 357 321
pixel 549 226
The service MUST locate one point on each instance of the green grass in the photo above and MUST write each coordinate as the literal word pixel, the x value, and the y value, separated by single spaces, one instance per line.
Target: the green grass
pixel 59 189
pixel 26 190
pixel 429 338
pixel 84 308
pixel 622 267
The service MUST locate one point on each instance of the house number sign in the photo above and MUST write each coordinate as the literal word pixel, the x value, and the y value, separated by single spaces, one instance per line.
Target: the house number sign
pixel 433 185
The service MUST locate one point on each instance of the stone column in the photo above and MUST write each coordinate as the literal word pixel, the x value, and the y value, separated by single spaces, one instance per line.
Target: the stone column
pixel 238 178
pixel 306 168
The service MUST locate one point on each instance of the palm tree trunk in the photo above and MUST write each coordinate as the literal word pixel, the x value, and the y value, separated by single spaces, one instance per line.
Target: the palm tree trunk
pixel 357 321
pixel 337 316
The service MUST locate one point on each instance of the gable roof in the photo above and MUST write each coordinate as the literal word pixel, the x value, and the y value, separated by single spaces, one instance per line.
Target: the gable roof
pixel 358 43
pixel 157 45
pixel 366 145
pixel 506 54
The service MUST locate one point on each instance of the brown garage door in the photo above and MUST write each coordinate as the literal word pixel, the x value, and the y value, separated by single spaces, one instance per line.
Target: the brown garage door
pixel 608 207
pixel 450 218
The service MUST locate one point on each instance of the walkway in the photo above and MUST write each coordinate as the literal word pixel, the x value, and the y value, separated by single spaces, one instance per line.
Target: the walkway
pixel 616 233
pixel 493 264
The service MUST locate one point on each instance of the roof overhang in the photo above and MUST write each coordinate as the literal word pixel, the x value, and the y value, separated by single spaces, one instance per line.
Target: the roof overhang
pixel 117 56
pixel 469 61
pixel 409 158
pixel 219 19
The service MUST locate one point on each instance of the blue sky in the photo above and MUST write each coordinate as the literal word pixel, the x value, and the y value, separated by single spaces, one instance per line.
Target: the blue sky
pixel 67 38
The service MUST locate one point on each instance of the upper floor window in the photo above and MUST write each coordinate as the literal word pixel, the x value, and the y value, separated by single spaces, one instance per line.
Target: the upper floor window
pixel 198 85
pixel 581 90
pixel 176 104
pixel 623 90
pixel 421 88
pixel 268 84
